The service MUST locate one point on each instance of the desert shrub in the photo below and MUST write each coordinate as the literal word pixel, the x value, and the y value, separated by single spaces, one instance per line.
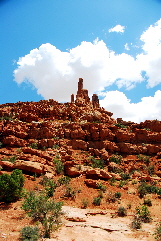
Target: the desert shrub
pixel 56 146
pixel 121 184
pixel 143 214
pixel 59 166
pixel 144 188
pixel 116 158
pixel 144 158
pixel 159 191
pixel 110 198
pixel 10 159
pixel 39 207
pixel 85 202
pixel 147 202
pixel 112 180
pixel 157 232
pixel 125 176
pixel 100 193
pixel 64 180
pixel 29 233
pixel 97 201
pixel 11 186
pixel 34 145
pixel 150 170
pixel 101 187
pixel 122 212
pixel 70 192
pixel 121 125
pixel 117 194
pixel 97 163
pixel 136 223
pixel 49 185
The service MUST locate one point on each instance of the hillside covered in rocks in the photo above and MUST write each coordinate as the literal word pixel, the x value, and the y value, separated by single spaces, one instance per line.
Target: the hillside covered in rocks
pixel 80 140
pixel 35 132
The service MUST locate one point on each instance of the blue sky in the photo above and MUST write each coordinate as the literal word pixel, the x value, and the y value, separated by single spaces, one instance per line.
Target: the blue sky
pixel 115 46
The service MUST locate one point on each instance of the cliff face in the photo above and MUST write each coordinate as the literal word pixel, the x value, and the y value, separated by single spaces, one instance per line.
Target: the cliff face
pixel 54 128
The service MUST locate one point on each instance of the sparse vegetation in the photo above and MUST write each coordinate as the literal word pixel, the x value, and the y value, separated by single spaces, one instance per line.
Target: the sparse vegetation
pixel 59 166
pixel 70 192
pixel 136 223
pixel 147 202
pixel 116 158
pixel 11 159
pixel 34 145
pixel 97 201
pixel 97 163
pixel 101 187
pixel 64 180
pixel 122 211
pixel 157 233
pixel 85 202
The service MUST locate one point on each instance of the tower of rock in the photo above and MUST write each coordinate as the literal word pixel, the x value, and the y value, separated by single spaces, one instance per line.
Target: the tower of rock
pixel 82 96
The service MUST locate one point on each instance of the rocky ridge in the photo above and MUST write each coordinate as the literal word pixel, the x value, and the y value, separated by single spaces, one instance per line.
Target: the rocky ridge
pixel 52 128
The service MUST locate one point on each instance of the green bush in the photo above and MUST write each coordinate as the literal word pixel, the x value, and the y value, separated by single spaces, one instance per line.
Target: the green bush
pixel 34 145
pixel 98 163
pixel 64 180
pixel 85 202
pixel 144 158
pixel 144 188
pixel 136 223
pixel 39 207
pixel 69 192
pixel 59 166
pixel 157 232
pixel 10 159
pixel 97 201
pixel 101 187
pixel 29 233
pixel 121 125
pixel 122 212
pixel 143 214
pixel 110 198
pixel 11 186
pixel 49 185
pixel 117 194
pixel 116 158
pixel 147 202
pixel 125 176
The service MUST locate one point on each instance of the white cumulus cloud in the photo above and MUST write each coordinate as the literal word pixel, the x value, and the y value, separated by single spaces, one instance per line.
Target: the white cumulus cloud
pixel 147 109
pixel 118 29
pixel 55 73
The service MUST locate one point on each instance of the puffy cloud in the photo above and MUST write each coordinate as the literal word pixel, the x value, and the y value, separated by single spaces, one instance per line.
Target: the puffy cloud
pixel 150 60
pixel 147 109
pixel 55 73
pixel 118 29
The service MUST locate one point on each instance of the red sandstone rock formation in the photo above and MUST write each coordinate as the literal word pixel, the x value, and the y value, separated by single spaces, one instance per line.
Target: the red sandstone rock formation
pixel 79 125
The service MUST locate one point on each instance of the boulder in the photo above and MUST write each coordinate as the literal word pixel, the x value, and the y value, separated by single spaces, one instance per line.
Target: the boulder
pixel 29 166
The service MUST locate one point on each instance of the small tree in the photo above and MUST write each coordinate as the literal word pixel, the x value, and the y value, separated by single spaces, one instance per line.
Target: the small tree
pixel 143 214
pixel 44 210
pixel 11 186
